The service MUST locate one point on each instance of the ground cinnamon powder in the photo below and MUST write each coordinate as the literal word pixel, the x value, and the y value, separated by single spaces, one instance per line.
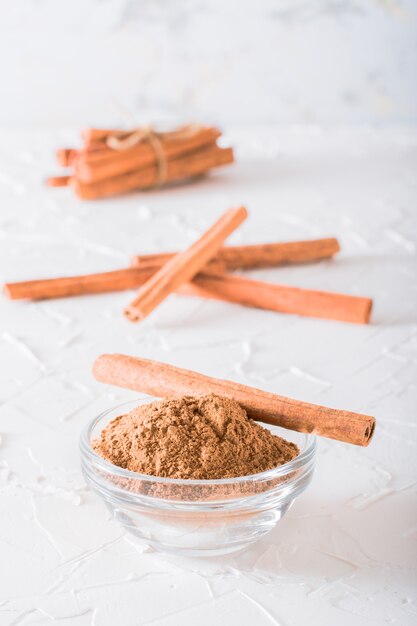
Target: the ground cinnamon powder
pixel 194 437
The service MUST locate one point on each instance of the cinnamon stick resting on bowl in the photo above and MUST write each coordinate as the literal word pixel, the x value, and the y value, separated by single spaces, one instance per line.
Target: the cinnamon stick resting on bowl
pixel 163 380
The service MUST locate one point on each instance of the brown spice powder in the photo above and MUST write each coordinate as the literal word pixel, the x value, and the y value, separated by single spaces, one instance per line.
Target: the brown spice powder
pixel 192 437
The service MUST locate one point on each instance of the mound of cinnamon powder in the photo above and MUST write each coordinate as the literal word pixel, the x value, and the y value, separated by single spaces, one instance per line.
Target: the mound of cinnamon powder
pixel 195 437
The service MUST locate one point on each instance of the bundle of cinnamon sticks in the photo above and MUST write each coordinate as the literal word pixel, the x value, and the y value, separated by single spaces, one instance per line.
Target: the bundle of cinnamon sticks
pixel 204 270
pixel 114 161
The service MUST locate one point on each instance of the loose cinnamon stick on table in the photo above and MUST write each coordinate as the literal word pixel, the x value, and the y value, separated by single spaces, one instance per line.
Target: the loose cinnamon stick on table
pixel 188 166
pixel 162 380
pixel 257 256
pixel 100 165
pixel 67 286
pixel 280 298
pixel 184 266
pixel 228 258
pixel 224 287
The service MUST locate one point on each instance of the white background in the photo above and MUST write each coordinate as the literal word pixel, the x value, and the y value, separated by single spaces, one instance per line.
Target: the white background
pixel 78 62
pixel 319 100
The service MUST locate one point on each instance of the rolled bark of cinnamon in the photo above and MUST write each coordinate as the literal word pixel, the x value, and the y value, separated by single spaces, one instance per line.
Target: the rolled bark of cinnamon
pixel 66 156
pixel 163 380
pixel 92 149
pixel 104 282
pixel 184 266
pixel 281 298
pixel 211 285
pixel 257 256
pixel 58 181
pixel 99 134
pixel 188 166
pixel 107 164
pixel 96 151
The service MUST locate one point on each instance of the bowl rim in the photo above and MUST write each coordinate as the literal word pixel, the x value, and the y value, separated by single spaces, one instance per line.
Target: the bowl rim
pixel 299 462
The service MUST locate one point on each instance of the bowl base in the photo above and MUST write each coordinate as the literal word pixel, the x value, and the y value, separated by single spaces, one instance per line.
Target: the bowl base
pixel 193 552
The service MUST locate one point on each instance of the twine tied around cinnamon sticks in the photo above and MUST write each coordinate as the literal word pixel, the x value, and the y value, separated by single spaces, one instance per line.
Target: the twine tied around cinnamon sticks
pixel 122 141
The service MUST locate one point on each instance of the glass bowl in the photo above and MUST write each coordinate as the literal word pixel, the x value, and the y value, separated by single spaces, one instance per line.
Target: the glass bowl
pixel 196 517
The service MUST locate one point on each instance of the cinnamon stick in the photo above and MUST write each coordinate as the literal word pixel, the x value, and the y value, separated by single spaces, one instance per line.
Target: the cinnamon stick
pixel 93 148
pixel 257 256
pixel 162 380
pixel 280 298
pixel 213 285
pixel 66 156
pixel 188 166
pixel 99 134
pixel 184 266
pixel 64 287
pixel 58 181
pixel 97 166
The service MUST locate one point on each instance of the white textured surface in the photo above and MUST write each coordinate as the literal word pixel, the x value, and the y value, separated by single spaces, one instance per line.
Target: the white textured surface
pixel 100 62
pixel 346 551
